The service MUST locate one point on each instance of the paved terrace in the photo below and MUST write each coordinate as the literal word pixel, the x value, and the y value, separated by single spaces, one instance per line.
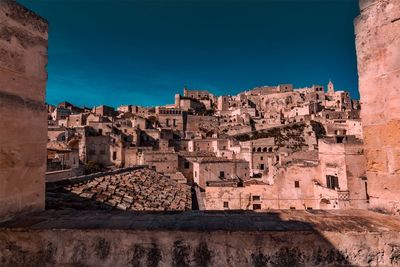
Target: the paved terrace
pixel 198 238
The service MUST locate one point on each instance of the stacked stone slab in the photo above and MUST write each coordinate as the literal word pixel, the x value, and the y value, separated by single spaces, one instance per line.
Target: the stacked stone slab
pixel 378 58
pixel 137 190
pixel 23 119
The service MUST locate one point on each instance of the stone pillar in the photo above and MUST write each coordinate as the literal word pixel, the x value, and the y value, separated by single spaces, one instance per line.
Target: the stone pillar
pixel 378 57
pixel 23 115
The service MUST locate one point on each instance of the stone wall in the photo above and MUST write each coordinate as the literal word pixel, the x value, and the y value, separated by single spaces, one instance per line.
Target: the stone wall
pixel 23 120
pixel 378 57
pixel 276 238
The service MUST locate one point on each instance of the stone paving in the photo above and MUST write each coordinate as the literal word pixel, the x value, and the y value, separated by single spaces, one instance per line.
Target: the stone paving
pixel 137 190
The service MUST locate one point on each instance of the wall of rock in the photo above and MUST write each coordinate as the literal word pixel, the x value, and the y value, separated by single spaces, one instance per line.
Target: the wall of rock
pixel 23 120
pixel 377 31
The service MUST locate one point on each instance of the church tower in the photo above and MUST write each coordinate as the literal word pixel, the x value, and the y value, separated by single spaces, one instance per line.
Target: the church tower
pixel 331 89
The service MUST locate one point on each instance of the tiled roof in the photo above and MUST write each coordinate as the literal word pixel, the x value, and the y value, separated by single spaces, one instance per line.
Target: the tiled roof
pixel 141 189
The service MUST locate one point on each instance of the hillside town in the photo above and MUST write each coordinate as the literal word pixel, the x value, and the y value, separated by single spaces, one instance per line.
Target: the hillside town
pixel 272 147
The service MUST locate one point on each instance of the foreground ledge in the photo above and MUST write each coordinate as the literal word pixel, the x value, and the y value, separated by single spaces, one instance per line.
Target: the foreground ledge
pixel 236 238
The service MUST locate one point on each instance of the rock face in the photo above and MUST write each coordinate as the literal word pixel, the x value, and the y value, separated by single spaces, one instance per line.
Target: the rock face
pixel 137 190
pixel 378 59
pixel 23 120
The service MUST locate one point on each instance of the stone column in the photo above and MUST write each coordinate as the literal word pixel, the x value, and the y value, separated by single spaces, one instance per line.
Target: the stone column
pixel 23 115
pixel 378 57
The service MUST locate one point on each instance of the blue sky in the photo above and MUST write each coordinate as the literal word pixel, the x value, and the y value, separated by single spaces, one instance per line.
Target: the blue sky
pixel 143 52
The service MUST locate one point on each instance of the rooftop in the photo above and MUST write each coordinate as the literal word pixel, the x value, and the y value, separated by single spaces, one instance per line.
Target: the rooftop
pixel 139 189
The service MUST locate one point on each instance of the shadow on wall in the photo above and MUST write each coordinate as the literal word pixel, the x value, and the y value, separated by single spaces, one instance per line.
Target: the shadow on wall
pixel 91 234
pixel 237 238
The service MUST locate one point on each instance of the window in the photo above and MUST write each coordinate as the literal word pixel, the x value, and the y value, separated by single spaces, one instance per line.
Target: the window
pixel 226 205
pixel 297 184
pixel 332 181
pixel 261 158
pixel 222 174
pixel 262 167
pixel 292 208
pixel 186 165
pixel 174 122
pixel 114 155
pixel 195 174
pixel 339 139
pixel 100 131
pixel 256 206
pixel 256 198
pixel 167 122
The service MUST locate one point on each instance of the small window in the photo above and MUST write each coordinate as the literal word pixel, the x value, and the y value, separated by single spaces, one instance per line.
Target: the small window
pixel 332 182
pixel 292 208
pixel 262 167
pixel 100 131
pixel 261 158
pixel 226 205
pixel 256 206
pixel 297 184
pixel 114 155
pixel 222 174
pixel 256 198
pixel 186 165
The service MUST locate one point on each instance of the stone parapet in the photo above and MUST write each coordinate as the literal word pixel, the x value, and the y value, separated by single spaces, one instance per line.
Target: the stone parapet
pixel 242 238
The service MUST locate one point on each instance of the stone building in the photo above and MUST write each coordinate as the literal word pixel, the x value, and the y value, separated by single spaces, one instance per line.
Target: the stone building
pixel 171 118
pixel 219 169
pixel 161 161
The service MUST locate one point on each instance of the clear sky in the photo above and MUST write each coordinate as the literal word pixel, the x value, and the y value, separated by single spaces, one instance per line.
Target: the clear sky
pixel 144 51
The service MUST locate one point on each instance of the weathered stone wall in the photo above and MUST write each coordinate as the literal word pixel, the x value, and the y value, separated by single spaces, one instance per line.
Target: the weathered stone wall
pixel 378 58
pixel 23 120
pixel 295 238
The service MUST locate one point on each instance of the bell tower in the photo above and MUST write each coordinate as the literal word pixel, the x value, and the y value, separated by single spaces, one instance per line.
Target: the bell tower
pixel 331 88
